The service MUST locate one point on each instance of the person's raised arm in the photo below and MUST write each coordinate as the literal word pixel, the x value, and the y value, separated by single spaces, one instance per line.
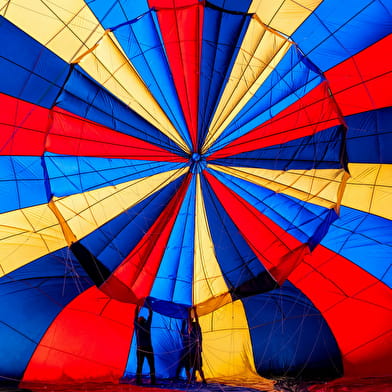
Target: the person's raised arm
pixel 137 309
pixel 198 329
pixel 149 313
pixel 190 319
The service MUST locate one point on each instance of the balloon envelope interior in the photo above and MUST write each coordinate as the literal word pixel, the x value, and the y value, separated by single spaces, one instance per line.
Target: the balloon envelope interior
pixel 233 158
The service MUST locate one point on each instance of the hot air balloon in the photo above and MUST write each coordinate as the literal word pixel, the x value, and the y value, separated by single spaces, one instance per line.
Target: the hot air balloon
pixel 231 157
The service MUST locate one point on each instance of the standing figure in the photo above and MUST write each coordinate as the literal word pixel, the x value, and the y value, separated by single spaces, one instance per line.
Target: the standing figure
pixel 144 346
pixel 185 356
pixel 196 347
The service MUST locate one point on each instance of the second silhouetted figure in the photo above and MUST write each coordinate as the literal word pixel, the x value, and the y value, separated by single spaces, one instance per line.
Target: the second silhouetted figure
pixel 144 346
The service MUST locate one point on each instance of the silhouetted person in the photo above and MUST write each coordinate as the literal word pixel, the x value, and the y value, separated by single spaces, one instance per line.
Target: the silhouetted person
pixel 196 348
pixel 185 356
pixel 144 346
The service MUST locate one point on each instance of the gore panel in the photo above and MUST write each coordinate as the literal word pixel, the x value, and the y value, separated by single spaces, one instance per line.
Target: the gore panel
pixel 28 70
pixel 290 337
pixel 32 297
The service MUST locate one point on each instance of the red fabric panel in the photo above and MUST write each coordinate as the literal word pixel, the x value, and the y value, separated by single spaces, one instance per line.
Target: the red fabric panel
pixel 359 83
pixel 356 306
pixel 354 384
pixel 27 129
pixel 181 27
pixel 273 246
pixel 139 268
pixel 310 114
pixel 100 387
pixel 74 135
pixel 90 338
pixel 22 127
pixel 288 263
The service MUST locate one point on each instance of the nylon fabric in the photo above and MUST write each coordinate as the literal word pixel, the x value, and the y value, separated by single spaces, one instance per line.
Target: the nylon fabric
pixel 55 24
pixel 207 278
pixel 229 244
pixel 373 182
pixel 284 15
pixel 138 270
pixel 340 304
pixel 140 40
pixel 319 187
pixel 38 229
pixel 260 52
pixel 291 79
pixel 114 240
pixel 183 48
pixel 222 35
pixel 38 285
pixel 220 158
pixel 225 355
pixel 174 279
pixel 254 227
pixel 63 348
pixel 309 115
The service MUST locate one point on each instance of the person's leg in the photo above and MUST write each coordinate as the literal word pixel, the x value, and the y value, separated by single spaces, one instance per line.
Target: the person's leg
pixel 202 376
pixel 140 359
pixel 188 375
pixel 199 366
pixel 151 363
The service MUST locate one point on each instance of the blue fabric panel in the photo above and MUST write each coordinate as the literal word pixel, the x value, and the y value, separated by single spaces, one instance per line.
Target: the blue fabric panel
pixel 290 337
pixel 298 218
pixel 288 82
pixel 112 242
pixel 86 98
pixel 322 230
pixel 222 37
pixel 32 297
pixel 21 182
pixel 320 151
pixel 232 5
pixel 175 275
pixel 365 240
pixel 140 39
pixel 167 346
pixel 369 137
pixel 141 42
pixel 70 174
pixel 170 309
pixel 28 70
pixel 336 31
pixel 236 259
pixel 111 13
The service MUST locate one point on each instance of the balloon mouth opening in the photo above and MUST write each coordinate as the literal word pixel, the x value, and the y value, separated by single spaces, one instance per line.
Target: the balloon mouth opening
pixel 197 162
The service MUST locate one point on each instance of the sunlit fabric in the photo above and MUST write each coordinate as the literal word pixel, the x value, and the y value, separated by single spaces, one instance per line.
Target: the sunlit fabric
pixel 229 157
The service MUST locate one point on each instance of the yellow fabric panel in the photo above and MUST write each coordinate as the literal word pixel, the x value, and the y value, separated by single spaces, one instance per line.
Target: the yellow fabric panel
pixel 213 303
pixel 260 52
pixel 111 68
pixel 369 189
pixel 207 277
pixel 283 15
pixel 32 232
pixel 85 212
pixel 262 49
pixel 26 235
pixel 64 26
pixel 69 29
pixel 321 187
pixel 227 347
